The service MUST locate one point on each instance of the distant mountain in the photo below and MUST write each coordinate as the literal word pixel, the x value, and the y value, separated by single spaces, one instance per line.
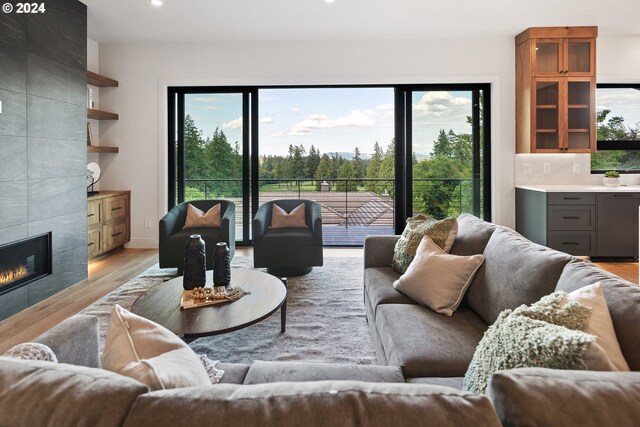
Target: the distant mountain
pixel 349 155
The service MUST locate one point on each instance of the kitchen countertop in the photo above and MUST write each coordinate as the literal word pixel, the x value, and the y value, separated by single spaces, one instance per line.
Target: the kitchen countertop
pixel 581 188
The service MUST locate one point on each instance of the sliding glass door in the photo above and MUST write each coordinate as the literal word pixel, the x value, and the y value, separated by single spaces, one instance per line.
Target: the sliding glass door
pixel 211 153
pixel 447 171
pixel 370 155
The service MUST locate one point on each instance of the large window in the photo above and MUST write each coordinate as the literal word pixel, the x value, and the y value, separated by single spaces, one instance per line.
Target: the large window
pixel 370 155
pixel 618 128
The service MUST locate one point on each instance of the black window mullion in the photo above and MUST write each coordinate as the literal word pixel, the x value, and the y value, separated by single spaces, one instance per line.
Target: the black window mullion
pixel 171 147
pixel 180 144
pixel 475 136
pixel 255 161
pixel 486 153
pixel 400 199
pixel 246 167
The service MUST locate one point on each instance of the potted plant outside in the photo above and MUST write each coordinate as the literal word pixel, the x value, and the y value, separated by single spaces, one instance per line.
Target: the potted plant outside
pixel 612 179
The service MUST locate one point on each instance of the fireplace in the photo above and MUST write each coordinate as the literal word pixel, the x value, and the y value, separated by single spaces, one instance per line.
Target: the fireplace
pixel 24 261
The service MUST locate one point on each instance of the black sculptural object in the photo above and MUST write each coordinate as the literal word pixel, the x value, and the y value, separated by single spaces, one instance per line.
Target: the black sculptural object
pixel 195 265
pixel 221 265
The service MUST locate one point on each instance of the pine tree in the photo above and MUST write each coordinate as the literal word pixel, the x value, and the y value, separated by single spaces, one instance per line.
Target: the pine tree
pixel 346 172
pixel 322 171
pixel 373 168
pixel 358 166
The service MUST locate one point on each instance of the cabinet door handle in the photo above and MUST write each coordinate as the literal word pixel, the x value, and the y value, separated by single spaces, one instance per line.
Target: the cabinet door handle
pixel 116 235
pixel 90 215
pixel 570 217
pixel 116 209
pixel 91 244
pixel 623 195
pixel 571 198
pixel 571 243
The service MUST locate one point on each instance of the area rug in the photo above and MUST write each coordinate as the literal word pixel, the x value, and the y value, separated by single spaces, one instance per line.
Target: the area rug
pixel 325 318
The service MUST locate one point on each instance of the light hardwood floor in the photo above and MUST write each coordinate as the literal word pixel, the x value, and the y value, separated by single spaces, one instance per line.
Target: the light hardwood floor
pixel 108 273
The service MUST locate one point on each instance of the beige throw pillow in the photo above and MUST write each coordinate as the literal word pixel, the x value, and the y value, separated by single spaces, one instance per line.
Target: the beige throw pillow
pixel 143 350
pixel 198 219
pixel 443 233
pixel 437 279
pixel 294 219
pixel 605 354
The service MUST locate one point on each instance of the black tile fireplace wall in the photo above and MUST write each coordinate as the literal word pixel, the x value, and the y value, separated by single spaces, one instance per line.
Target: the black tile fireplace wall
pixel 43 63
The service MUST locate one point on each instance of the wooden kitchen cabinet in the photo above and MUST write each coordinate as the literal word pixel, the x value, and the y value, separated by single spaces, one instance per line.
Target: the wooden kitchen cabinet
pixel 555 90
pixel 108 221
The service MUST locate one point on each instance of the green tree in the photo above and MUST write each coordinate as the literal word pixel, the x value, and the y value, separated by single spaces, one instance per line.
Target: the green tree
pixel 346 172
pixel 295 166
pixel 313 160
pixel 373 168
pixel 358 166
pixel 322 171
pixel 612 129
pixel 387 169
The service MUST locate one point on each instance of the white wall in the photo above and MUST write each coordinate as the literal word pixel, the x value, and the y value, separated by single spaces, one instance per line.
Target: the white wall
pixel 144 71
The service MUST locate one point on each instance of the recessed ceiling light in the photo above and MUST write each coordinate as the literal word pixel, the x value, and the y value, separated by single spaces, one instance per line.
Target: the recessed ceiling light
pixel 329 1
pixel 156 2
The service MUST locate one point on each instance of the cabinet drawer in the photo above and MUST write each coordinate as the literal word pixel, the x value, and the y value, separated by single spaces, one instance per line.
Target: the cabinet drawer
pixel 115 235
pixel 577 243
pixel 571 198
pixel 94 212
pixel 94 245
pixel 571 218
pixel 116 208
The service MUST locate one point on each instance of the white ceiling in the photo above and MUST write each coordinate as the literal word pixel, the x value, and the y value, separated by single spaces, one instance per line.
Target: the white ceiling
pixel 257 20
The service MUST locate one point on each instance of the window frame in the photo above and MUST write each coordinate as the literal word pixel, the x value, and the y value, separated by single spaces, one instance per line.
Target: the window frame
pixel 612 145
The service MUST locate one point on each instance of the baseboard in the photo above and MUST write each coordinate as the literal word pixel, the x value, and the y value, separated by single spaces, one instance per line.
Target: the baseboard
pixel 137 243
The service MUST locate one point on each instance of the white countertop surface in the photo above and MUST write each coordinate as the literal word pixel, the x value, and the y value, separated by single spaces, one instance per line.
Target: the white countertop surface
pixel 580 188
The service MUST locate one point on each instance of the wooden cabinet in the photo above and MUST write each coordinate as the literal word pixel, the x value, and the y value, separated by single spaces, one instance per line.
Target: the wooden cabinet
pixel 108 221
pixel 599 225
pixel 555 90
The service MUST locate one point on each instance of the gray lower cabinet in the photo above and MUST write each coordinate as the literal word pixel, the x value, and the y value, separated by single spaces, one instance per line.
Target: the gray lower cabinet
pixel 582 224
pixel 617 225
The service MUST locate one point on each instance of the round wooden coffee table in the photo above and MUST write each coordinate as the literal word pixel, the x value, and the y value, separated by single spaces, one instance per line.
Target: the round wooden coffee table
pixel 267 294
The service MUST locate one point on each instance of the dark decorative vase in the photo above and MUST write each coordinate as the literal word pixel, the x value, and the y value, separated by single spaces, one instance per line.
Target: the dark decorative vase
pixel 221 265
pixel 195 265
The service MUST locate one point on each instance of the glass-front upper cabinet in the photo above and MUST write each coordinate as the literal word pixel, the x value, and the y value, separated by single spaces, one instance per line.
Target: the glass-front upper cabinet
pixel 580 57
pixel 547 115
pixel 580 114
pixel 564 57
pixel 548 57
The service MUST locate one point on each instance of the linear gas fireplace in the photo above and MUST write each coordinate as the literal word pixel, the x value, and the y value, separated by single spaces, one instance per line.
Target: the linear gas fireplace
pixel 24 261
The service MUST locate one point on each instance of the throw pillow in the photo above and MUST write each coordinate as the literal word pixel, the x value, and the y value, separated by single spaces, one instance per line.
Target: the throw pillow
pixel 215 374
pixel 437 279
pixel 198 219
pixel 538 336
pixel 31 351
pixel 143 350
pixel 294 219
pixel 601 325
pixel 443 233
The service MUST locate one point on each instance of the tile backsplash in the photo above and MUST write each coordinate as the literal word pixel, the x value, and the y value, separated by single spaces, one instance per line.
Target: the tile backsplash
pixel 558 169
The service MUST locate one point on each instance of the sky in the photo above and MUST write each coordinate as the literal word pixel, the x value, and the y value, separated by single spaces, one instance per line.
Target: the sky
pixel 331 119
pixel 623 102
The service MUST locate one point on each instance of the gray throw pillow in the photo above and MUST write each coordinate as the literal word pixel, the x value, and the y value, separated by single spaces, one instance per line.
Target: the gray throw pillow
pixel 549 334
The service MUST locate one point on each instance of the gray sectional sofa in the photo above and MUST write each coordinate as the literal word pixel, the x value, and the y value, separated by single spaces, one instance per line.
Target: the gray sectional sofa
pixel 423 356
pixel 432 348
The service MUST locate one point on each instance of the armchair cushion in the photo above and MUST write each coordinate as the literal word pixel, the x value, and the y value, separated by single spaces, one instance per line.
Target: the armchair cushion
pixel 294 219
pixel 197 218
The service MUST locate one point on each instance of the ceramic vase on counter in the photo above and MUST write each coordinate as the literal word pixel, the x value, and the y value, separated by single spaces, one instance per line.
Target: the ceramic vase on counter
pixel 611 182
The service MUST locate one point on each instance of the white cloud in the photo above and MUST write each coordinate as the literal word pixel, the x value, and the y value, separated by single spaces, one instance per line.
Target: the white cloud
pixel 439 102
pixel 266 120
pixel 233 124
pixel 357 118
pixel 385 107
